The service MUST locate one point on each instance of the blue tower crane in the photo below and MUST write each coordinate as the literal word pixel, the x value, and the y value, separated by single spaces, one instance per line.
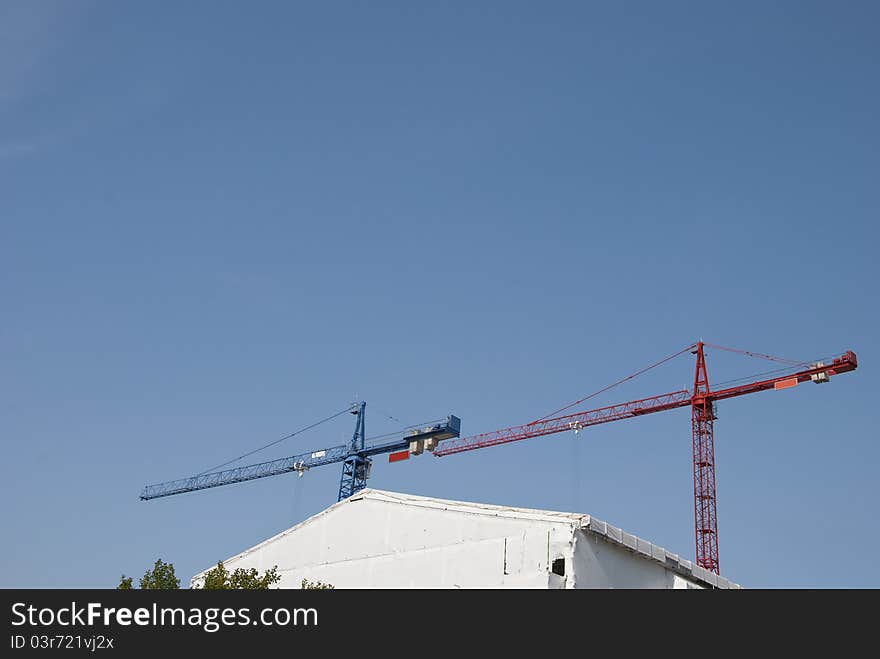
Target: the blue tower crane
pixel 356 458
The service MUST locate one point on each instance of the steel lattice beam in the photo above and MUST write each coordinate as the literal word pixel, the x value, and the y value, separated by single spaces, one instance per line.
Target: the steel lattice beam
pixel 355 456
pixel 568 422
pixel 705 500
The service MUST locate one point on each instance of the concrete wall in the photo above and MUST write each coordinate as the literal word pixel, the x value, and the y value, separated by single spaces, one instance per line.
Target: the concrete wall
pixel 385 540
pixel 601 564
pixel 372 543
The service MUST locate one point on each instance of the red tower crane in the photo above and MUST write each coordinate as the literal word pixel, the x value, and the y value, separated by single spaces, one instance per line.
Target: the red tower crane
pixel 702 402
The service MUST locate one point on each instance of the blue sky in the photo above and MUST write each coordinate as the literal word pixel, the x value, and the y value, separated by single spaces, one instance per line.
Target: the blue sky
pixel 224 221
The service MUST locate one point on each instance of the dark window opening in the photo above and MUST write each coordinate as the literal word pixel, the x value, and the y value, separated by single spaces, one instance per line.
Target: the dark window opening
pixel 559 566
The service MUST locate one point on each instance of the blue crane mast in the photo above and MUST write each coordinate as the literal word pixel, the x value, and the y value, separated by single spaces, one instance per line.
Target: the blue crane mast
pixel 356 458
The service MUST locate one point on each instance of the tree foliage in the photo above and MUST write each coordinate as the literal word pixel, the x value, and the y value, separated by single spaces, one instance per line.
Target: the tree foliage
pixel 315 585
pixel 219 578
pixel 160 577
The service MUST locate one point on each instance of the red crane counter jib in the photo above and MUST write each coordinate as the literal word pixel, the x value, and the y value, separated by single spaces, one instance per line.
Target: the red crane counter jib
pixel 818 373
pixel 701 401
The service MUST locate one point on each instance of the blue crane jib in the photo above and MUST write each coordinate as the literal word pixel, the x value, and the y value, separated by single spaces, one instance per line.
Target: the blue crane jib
pixel 356 459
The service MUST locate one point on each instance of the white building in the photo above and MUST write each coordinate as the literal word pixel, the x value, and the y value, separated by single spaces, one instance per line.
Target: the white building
pixel 378 539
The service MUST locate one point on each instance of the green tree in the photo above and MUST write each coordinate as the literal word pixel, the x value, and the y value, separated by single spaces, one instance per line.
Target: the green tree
pixel 315 585
pixel 219 578
pixel 160 577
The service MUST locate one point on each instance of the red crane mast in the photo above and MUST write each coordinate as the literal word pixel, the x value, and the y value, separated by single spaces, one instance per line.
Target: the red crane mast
pixel 701 401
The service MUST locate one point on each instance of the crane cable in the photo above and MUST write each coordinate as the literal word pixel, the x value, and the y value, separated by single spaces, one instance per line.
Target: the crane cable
pixel 746 378
pixel 396 433
pixel 611 386
pixel 758 354
pixel 791 364
pixel 826 360
pixel 388 415
pixel 278 441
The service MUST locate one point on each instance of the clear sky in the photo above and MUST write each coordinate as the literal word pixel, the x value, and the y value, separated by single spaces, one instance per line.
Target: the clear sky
pixel 224 221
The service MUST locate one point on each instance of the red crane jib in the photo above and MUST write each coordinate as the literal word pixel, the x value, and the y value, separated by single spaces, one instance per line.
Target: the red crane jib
pixel 568 422
pixel 683 398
